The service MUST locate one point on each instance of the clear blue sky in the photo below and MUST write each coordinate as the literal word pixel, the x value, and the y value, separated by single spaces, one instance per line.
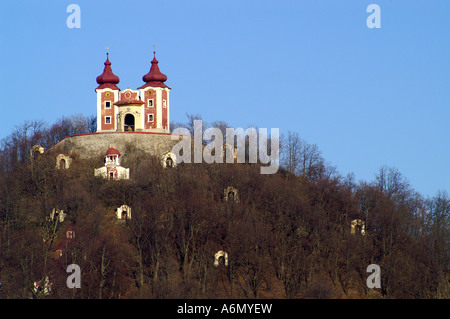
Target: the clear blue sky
pixel 366 97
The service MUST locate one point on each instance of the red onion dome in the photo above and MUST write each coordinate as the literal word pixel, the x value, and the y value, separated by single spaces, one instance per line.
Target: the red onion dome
pixel 108 79
pixel 154 77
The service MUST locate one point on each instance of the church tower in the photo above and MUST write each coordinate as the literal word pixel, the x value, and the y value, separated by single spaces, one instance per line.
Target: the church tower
pixel 107 95
pixel 155 95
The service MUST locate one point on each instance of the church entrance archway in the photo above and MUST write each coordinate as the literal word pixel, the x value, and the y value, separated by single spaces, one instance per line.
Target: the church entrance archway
pixel 129 123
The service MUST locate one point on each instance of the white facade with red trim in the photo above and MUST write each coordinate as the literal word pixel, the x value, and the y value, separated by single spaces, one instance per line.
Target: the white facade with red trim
pixel 146 109
pixel 112 169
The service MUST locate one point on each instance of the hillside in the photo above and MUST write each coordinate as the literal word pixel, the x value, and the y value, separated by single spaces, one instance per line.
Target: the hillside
pixel 286 235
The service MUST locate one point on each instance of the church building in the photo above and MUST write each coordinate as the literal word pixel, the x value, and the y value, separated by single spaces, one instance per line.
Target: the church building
pixel 143 110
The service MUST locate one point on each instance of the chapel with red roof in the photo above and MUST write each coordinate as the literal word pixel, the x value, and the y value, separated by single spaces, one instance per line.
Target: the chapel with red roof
pixel 145 109
pixel 112 169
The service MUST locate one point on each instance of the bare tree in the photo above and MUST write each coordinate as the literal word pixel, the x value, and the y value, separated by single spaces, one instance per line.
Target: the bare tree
pixel 299 157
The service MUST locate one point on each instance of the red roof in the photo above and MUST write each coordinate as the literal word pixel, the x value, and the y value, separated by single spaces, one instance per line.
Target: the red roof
pixel 124 102
pixel 112 151
pixel 154 77
pixel 155 84
pixel 108 79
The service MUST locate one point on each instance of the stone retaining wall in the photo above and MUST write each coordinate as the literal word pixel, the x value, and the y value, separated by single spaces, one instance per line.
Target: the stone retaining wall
pixel 93 144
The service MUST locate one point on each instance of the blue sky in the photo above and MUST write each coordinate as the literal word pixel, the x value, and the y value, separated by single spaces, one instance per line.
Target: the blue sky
pixel 366 97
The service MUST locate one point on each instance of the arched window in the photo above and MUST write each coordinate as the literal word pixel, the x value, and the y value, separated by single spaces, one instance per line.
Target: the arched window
pixel 63 161
pixel 123 212
pixel 358 227
pixel 231 194
pixel 169 162
pixel 221 257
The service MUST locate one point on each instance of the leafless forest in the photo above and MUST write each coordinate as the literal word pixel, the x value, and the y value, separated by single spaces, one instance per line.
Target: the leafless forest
pixel 286 235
